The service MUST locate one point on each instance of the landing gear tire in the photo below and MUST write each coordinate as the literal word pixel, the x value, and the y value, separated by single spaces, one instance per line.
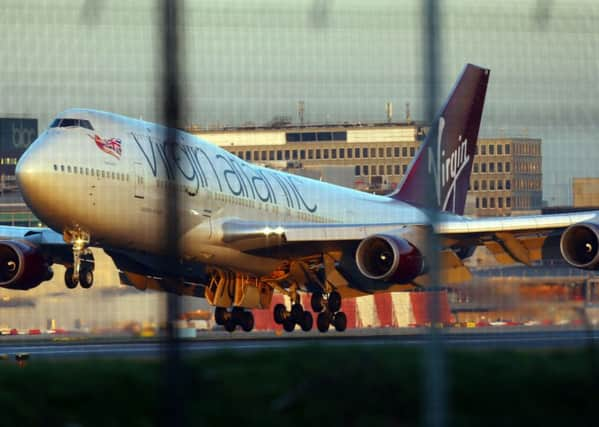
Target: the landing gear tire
pixel 297 313
pixel 279 313
pixel 288 325
pixel 323 321
pixel 247 321
pixel 334 302
pixel 230 324
pixel 340 321
pixel 86 278
pixel 69 280
pixel 220 315
pixel 317 302
pixel 307 321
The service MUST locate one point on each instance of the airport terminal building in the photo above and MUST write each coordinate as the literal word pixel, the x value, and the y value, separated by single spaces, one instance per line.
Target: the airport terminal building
pixel 506 177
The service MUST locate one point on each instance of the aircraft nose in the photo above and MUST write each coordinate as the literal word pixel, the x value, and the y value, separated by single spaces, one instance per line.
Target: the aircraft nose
pixel 29 168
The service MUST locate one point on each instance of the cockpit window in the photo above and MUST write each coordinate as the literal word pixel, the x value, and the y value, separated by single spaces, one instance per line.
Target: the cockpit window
pixel 65 123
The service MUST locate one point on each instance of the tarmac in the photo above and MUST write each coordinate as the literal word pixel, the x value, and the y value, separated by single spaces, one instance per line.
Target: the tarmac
pixel 217 341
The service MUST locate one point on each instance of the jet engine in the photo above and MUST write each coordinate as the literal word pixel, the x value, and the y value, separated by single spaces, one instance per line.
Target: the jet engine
pixel 579 245
pixel 22 265
pixel 389 258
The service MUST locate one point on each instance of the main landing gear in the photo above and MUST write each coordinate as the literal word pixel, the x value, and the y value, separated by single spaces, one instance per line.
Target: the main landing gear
pixel 328 311
pixel 297 316
pixel 236 317
pixel 82 270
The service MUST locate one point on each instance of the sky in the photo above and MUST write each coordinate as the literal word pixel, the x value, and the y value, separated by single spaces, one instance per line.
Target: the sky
pixel 250 61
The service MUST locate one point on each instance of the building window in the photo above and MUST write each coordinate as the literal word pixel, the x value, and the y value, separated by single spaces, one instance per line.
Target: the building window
pixel 404 169
pixel 396 151
pixel 263 155
pixel 476 168
pixel 397 170
pixel 499 149
pixel 491 149
pixel 365 152
pixel 508 185
pixel 381 152
pixel 492 202
pixel 492 167
pixel 499 184
pixel 389 152
pixel 342 153
pixel 499 199
pixel 279 155
pixel 310 154
pixel 484 203
pixel 365 170
pixel 507 164
pixel 248 155
pixel 412 151
pixel 483 167
pixel 357 170
pixel 475 185
pixel 357 153
pixel 404 151
pixel 271 155
pixel 350 153
pixel 483 149
pixel 318 153
pixel 477 203
pixel 256 154
pixel 499 164
pixel 333 153
pixel 492 184
pixel 508 200
pixel 325 153
pixel 389 170
pixel 381 169
pixel 287 155
pixel 507 151
pixel 302 154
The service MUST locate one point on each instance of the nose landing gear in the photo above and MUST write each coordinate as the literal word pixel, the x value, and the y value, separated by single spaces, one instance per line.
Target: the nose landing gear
pixel 82 270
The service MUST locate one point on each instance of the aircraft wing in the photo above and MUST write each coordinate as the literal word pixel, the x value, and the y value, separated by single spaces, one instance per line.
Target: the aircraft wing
pixel 510 239
pixel 38 235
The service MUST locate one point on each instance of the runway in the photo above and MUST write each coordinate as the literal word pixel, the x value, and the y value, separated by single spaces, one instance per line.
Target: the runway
pixel 214 342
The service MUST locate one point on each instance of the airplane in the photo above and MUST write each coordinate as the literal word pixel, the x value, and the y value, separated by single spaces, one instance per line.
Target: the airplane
pixel 99 179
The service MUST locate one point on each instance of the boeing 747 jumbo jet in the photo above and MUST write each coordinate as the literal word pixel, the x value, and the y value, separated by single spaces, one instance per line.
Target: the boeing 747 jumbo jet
pixel 101 180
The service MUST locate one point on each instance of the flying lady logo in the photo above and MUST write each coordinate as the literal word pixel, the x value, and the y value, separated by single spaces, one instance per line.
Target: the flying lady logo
pixel 447 167
pixel 110 146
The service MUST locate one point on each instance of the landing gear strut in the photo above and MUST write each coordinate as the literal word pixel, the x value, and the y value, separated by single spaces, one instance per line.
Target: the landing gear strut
pixel 82 270
pixel 231 319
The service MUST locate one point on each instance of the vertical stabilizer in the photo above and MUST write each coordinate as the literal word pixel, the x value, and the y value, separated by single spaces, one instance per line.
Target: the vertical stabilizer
pixel 448 151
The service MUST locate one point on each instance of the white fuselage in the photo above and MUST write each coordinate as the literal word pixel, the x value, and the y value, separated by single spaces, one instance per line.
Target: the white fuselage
pixel 117 191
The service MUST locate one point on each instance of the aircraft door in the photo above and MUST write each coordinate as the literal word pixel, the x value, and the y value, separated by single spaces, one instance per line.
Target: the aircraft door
pixel 139 182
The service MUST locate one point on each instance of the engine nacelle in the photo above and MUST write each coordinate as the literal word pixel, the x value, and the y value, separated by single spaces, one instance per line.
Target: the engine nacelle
pixel 22 265
pixel 389 258
pixel 579 245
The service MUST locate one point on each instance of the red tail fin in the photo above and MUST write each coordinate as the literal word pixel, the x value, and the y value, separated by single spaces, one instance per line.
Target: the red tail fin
pixel 448 151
